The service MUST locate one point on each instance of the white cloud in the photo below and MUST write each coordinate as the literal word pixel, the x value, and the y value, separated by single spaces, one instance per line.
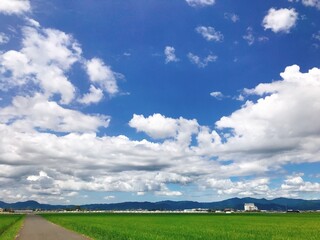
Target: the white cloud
pixel 156 126
pixel 44 58
pixel 200 3
pixel 232 17
pixel 202 63
pixel 102 75
pixel 94 96
pixel 161 127
pixel 281 20
pixel 263 39
pixel 296 184
pixel 34 178
pixel 3 38
pixel 111 197
pixel 316 35
pixel 311 3
pixel 209 33
pixel 32 23
pixel 276 122
pixel 29 113
pixel 255 187
pixel 168 193
pixel 249 36
pixel 169 52
pixel 43 184
pixel 217 95
pixel 11 7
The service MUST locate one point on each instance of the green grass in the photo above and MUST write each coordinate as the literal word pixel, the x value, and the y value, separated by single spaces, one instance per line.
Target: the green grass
pixel 192 226
pixel 10 225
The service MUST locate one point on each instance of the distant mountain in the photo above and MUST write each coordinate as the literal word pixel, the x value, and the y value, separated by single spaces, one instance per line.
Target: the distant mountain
pixel 30 205
pixel 278 204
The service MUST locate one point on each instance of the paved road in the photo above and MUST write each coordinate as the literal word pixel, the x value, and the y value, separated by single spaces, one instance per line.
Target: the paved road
pixel 37 228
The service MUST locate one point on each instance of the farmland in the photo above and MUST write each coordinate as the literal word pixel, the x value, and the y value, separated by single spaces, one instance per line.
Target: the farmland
pixel 191 226
pixel 10 225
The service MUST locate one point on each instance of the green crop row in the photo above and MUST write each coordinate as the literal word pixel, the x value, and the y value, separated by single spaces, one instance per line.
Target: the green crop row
pixel 10 225
pixel 191 226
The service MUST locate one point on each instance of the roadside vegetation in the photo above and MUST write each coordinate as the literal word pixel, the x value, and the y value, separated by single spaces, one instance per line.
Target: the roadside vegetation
pixel 10 225
pixel 191 226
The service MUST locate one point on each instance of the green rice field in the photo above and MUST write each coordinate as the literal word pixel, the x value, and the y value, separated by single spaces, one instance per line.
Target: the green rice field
pixel 10 225
pixel 260 226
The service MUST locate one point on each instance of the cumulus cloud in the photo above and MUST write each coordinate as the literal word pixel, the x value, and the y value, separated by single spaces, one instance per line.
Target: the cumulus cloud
pixel 94 96
pixel 202 63
pixel 169 52
pixel 158 126
pixel 44 58
pixel 10 7
pixel 275 123
pixel 255 187
pixel 296 184
pixel 200 3
pixel 30 113
pixel 101 74
pixel 39 73
pixel 280 20
pixel 209 33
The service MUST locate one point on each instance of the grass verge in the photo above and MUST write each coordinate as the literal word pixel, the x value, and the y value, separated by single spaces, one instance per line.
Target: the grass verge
pixel 11 231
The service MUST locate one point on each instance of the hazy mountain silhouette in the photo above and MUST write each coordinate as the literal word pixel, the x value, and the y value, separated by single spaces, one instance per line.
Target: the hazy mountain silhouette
pixel 278 204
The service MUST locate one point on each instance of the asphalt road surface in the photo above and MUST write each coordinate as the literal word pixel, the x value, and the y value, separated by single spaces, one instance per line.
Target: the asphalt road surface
pixel 37 228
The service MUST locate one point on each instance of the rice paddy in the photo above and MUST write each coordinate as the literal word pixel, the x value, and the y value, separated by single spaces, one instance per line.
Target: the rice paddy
pixel 262 226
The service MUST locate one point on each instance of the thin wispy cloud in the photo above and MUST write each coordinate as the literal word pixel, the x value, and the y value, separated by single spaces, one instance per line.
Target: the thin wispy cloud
pixel 200 3
pixel 232 17
pixel 249 37
pixel 202 62
pixel 3 38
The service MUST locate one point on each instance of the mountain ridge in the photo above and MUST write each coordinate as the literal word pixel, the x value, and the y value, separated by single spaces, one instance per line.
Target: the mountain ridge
pixel 277 204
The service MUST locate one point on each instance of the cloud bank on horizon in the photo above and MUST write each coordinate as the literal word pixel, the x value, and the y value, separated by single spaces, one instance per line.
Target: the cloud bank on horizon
pixel 117 111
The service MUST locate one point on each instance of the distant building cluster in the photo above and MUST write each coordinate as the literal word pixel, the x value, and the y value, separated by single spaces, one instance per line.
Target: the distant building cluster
pixel 250 207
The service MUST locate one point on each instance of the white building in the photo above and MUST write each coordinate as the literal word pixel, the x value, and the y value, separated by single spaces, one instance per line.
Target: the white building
pixel 250 207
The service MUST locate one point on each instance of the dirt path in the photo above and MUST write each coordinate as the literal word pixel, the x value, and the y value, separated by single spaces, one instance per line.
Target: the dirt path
pixel 37 228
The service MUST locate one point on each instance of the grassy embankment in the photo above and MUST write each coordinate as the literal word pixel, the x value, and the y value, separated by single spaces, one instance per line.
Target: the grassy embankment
pixel 10 225
pixel 192 226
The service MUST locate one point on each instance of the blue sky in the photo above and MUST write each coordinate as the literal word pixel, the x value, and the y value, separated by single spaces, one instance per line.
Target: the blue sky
pixel 111 101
